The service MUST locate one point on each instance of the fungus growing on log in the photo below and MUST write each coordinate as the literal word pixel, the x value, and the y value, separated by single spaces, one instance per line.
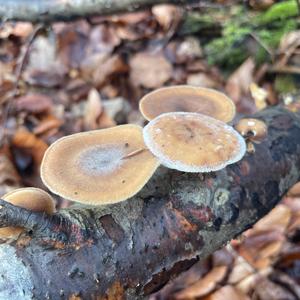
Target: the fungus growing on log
pixel 99 167
pixel 184 98
pixel 33 199
pixel 193 142
pixel 253 130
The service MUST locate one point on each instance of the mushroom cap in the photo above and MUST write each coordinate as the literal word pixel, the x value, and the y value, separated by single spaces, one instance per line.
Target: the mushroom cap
pixel 31 198
pixel 184 98
pixel 253 129
pixel 193 142
pixel 100 166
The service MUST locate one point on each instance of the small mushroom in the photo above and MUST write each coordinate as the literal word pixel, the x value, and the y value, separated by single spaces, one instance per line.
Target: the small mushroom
pixel 99 167
pixel 31 198
pixel 193 142
pixel 184 98
pixel 253 130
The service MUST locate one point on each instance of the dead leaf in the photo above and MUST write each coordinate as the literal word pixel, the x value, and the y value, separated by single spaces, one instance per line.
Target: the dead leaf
pixel 227 292
pixel 294 191
pixel 105 121
pixel 34 103
pixel 202 80
pixel 112 65
pixel 149 70
pixel 259 95
pixel 93 110
pixel 166 14
pixel 27 141
pixel 278 219
pixel 241 269
pixel 48 123
pixel 9 177
pixel 266 290
pixel 205 285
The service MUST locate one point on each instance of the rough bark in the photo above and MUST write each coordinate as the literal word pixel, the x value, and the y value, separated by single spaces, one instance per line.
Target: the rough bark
pixel 49 10
pixel 129 250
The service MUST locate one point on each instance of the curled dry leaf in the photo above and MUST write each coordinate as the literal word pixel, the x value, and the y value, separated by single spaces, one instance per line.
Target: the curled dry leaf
pixel 241 269
pixel 260 248
pixel 93 110
pixel 166 14
pixel 9 177
pixel 205 285
pixel 266 289
pixel 34 103
pixel 27 141
pixel 278 219
pixel 227 292
pixel 108 67
pixel 294 191
pixel 48 123
pixel 150 70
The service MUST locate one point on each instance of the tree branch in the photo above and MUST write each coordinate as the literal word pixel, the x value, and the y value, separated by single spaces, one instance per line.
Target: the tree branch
pixel 129 250
pixel 50 10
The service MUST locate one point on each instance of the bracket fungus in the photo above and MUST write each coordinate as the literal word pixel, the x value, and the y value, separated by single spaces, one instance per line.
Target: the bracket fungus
pixel 100 166
pixel 253 130
pixel 184 98
pixel 31 198
pixel 192 142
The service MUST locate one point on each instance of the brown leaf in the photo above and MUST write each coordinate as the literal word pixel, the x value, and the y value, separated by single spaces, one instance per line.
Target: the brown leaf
pixel 34 103
pixel 240 270
pixel 266 290
pixel 112 65
pixel 205 285
pixel 48 123
pixel 227 292
pixel 27 141
pixel 202 80
pixel 149 70
pixel 9 177
pixel 106 121
pixel 278 219
pixel 166 14
pixel 93 110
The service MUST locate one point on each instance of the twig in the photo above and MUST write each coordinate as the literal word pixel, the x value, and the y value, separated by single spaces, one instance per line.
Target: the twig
pixel 18 73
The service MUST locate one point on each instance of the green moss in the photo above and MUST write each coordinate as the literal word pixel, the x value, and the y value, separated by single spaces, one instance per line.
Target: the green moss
pixel 279 11
pixel 285 84
pixel 195 22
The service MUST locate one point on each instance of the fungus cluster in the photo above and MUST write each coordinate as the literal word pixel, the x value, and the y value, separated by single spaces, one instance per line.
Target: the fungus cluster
pixel 187 131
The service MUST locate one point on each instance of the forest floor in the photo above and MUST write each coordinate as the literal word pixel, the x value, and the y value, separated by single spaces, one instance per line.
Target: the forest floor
pixel 88 74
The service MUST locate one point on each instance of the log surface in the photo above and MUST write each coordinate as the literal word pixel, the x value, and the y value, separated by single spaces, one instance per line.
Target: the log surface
pixel 129 250
pixel 53 10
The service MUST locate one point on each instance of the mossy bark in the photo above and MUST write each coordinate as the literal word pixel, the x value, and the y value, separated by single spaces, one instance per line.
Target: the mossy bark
pixel 129 250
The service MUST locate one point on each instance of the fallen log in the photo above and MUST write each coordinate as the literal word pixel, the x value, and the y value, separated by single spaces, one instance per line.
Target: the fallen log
pixel 131 249
pixel 53 10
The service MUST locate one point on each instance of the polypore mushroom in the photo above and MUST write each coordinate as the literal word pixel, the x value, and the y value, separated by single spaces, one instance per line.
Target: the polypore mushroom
pixel 30 198
pixel 184 98
pixel 99 167
pixel 253 130
pixel 193 142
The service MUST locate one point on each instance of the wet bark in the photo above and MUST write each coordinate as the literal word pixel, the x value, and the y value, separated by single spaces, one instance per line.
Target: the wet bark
pixel 131 249
pixel 50 10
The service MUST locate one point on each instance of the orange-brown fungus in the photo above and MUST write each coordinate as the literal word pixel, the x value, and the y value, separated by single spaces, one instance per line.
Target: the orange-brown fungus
pixel 30 198
pixel 186 98
pixel 193 142
pixel 252 129
pixel 99 167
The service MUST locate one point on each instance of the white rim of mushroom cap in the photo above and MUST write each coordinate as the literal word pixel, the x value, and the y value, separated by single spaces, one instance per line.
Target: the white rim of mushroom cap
pixel 99 167
pixel 181 166
pixel 211 97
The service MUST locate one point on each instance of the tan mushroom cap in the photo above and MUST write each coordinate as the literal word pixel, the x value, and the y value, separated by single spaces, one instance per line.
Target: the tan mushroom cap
pixel 253 129
pixel 184 98
pixel 99 167
pixel 193 142
pixel 31 198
